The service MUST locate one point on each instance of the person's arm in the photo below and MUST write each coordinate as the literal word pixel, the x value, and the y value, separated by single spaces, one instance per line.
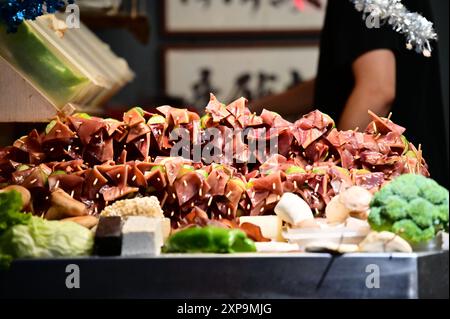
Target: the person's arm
pixel 375 89
pixel 295 101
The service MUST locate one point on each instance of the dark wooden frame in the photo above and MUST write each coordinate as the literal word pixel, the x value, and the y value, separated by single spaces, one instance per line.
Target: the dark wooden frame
pixel 244 33
pixel 253 45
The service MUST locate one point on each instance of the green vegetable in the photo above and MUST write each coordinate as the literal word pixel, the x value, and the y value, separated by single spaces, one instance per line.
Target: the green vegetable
pixel 186 169
pixel 83 116
pixel 26 236
pixel 319 171
pixel 411 154
pixel 204 121
pixel 158 168
pixel 295 170
pixel 413 206
pixel 137 110
pixel 10 207
pixel 202 172
pixel 22 167
pixel 409 230
pixel 58 173
pixel 45 239
pixel 359 171
pixel 406 143
pixel 209 240
pixel 157 119
pixel 50 126
pixel 10 215
pixel 239 183
pixel 135 114
pixel 217 166
pixel 140 110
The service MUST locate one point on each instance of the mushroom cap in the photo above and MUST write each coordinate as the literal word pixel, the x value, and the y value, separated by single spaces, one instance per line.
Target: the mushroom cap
pixel 356 199
pixel 385 242
pixel 336 212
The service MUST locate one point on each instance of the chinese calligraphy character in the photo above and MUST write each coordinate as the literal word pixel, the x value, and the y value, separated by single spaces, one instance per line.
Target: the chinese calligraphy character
pixel 202 88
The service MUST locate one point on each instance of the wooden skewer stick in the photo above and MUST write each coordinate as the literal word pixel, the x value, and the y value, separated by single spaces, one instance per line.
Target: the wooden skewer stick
pixel 389 116
pixel 163 201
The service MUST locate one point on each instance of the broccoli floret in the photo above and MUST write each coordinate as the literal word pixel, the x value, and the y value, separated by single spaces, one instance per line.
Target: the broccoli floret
pixel 395 207
pixel 376 220
pixel 407 190
pixel 441 218
pixel 422 212
pixel 434 193
pixel 408 230
pixel 412 203
pixel 381 196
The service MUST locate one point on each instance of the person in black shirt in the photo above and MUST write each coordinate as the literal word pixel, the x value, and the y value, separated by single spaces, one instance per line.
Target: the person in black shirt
pixel 363 69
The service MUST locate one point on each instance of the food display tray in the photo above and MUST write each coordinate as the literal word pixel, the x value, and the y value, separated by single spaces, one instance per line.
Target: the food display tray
pixel 244 276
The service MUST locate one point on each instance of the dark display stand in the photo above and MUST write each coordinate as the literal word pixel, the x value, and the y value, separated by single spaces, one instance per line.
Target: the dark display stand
pixel 422 275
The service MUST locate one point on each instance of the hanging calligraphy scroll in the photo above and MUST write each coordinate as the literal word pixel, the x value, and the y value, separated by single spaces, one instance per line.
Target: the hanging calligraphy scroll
pixel 192 72
pixel 237 17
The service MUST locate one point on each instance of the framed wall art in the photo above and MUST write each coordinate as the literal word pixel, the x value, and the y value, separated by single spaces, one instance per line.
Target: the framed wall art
pixel 192 72
pixel 240 17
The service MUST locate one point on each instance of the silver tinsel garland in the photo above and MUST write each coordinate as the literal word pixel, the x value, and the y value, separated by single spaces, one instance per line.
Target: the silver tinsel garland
pixel 417 29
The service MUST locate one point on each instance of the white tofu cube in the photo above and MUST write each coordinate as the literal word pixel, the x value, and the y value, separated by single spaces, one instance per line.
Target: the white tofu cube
pixel 142 236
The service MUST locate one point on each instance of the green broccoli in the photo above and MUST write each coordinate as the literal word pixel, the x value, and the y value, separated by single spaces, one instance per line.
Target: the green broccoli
pixel 409 230
pixel 441 218
pixel 396 206
pixel 413 206
pixel 422 212
pixel 434 193
pixel 377 220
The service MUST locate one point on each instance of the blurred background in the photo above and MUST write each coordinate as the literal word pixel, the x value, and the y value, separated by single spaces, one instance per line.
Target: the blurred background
pixel 146 59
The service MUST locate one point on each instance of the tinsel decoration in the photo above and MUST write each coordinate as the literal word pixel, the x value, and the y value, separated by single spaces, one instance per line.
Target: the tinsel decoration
pixel 14 12
pixel 418 30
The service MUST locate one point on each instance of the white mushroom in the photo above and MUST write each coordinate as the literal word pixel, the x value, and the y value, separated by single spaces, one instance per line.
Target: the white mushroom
pixel 354 202
pixel 356 199
pixel 336 212
pixel 384 242
pixel 293 209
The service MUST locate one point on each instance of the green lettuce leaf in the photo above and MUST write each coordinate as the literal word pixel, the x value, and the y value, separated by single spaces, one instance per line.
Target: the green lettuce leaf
pixel 46 239
pixel 10 215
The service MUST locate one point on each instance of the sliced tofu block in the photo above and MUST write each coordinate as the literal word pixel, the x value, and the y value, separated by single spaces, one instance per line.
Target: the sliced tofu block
pixel 271 226
pixel 108 237
pixel 142 236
